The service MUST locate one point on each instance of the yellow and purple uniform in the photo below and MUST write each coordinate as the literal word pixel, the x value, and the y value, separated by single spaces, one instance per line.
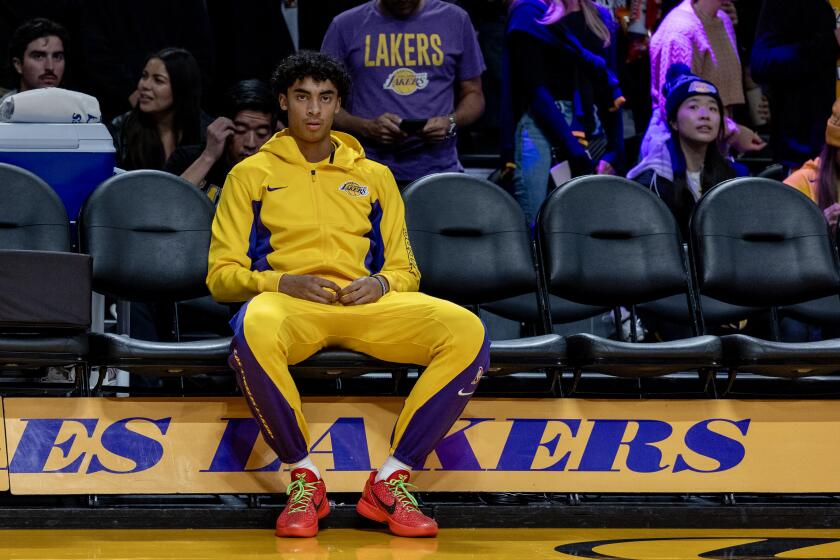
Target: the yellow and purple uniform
pixel 339 219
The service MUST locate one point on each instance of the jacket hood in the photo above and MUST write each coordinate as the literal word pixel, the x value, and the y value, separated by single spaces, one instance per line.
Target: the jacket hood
pixel 658 160
pixel 347 150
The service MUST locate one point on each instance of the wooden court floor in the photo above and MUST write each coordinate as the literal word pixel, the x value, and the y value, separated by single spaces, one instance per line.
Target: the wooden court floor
pixel 479 544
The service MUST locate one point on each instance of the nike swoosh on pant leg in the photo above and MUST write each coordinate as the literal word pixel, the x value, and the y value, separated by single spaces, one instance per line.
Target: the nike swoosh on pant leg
pixel 461 393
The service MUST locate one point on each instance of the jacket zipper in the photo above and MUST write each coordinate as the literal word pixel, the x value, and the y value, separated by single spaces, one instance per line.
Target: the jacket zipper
pixel 316 198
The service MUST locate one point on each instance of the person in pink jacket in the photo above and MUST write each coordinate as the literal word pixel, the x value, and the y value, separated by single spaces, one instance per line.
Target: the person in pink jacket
pixel 699 34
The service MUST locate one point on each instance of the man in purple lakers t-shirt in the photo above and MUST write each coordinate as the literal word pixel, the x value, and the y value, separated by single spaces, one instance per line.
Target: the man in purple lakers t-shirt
pixel 410 60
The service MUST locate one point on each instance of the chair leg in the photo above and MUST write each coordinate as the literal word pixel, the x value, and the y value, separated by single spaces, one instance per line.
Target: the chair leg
pixel 102 373
pixel 84 382
pixel 555 381
pixel 730 380
pixel 577 373
pixel 398 377
pixel 707 378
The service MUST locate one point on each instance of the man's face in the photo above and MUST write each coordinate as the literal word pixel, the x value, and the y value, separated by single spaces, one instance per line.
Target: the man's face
pixel 42 65
pixel 312 107
pixel 400 8
pixel 251 129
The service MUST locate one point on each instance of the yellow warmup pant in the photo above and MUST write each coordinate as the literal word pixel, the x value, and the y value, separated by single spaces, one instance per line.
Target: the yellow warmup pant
pixel 274 330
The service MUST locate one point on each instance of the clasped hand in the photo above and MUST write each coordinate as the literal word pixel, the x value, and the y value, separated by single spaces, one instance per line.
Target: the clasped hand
pixel 313 288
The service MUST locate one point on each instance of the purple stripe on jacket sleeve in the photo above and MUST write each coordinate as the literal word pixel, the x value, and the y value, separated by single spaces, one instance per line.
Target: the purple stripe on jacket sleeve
pixel 375 259
pixel 259 242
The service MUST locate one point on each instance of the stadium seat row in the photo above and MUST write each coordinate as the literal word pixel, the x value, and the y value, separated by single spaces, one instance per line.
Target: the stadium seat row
pixel 601 243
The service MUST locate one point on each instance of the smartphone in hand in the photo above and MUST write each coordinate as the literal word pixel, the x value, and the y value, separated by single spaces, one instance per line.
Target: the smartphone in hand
pixel 412 126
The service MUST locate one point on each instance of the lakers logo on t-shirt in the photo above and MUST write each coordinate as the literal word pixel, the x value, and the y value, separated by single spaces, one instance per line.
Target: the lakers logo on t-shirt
pixel 353 189
pixel 405 81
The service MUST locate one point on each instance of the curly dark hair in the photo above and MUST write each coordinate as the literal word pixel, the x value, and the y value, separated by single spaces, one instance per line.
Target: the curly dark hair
pixel 31 30
pixel 309 64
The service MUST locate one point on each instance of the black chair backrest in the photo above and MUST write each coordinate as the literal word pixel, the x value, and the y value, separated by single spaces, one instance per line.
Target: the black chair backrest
pixel 607 241
pixel 32 216
pixel 761 243
pixel 824 312
pixel 775 171
pixel 524 309
pixel 149 235
pixel 470 239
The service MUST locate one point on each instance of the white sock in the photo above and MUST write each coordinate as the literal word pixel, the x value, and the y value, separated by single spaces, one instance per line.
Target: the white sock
pixel 389 467
pixel 306 463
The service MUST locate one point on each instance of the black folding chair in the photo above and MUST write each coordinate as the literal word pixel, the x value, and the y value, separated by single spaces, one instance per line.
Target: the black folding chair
pixel 35 236
pixel 757 242
pixel 606 242
pixel 472 244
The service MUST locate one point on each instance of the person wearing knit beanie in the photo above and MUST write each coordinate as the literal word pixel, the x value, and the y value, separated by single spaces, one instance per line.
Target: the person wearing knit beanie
pixel 691 158
pixel 819 178
pixel 699 34
pixel 682 84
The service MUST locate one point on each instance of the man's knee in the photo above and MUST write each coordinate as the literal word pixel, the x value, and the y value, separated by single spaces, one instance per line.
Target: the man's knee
pixel 467 333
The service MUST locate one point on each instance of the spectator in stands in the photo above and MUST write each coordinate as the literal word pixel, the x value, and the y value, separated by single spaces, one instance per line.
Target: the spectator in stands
pixel 695 159
pixel 564 93
pixel 819 179
pixel 795 58
pixel 118 36
pixel 167 115
pixel 312 234
pixel 416 68
pixel 699 34
pixel 37 55
pixel 249 115
pixel 639 20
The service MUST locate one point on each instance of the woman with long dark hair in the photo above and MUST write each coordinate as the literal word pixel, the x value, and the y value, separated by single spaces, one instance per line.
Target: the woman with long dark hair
pixel 819 179
pixel 563 94
pixel 167 113
pixel 695 160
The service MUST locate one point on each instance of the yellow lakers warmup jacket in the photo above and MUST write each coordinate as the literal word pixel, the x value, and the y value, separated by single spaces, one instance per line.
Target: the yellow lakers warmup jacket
pixel 340 219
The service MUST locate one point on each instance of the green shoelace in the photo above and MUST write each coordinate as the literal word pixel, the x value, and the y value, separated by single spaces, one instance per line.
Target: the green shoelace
pixel 400 489
pixel 300 494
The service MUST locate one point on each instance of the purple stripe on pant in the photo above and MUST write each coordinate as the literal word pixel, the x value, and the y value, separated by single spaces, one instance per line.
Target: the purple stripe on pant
pixel 272 411
pixel 433 420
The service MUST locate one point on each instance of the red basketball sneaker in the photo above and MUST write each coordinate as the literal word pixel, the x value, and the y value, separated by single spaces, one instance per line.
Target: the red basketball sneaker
pixel 307 503
pixel 389 501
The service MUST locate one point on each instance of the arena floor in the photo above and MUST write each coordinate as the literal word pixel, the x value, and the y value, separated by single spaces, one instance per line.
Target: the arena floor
pixel 484 544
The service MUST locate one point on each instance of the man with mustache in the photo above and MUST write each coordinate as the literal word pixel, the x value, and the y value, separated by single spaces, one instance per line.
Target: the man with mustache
pixel 36 53
pixel 248 119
